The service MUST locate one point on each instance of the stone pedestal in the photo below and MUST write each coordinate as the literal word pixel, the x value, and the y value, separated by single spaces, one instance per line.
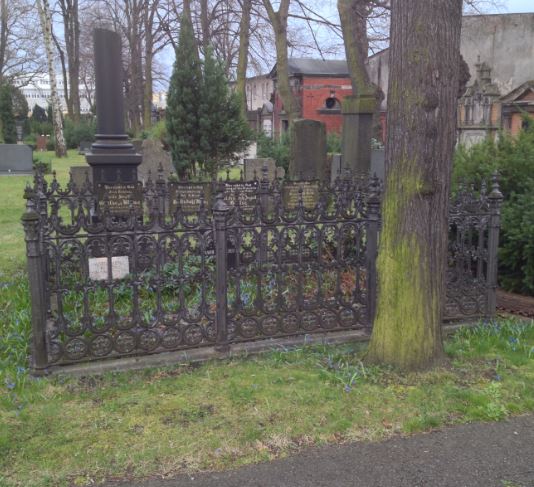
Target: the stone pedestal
pixel 357 132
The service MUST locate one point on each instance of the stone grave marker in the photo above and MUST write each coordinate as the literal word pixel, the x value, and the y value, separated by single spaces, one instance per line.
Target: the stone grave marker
pixel 336 166
pixel 120 197
pixel 254 169
pixel 42 142
pixel 80 175
pixel 189 197
pixel 16 159
pixel 153 156
pixel 308 151
pixel 293 190
pixel 246 192
pixel 85 146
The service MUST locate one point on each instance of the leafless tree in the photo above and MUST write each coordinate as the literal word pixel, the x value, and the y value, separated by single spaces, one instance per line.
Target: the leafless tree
pixel 21 52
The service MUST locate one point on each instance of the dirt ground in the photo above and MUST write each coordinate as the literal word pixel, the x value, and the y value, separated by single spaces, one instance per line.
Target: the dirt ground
pixel 515 304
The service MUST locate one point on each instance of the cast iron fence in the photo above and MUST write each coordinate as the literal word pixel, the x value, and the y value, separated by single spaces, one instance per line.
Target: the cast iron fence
pixel 223 263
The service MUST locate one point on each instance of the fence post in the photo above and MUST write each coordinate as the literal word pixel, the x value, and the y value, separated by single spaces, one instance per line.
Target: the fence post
pixel 220 214
pixel 495 199
pixel 373 223
pixel 35 257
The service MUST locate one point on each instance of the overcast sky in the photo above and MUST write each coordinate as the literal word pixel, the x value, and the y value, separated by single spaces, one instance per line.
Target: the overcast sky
pixel 512 6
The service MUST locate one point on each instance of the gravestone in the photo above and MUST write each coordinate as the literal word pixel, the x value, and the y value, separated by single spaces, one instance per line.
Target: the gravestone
pixel 294 191
pixel 308 151
pixel 119 199
pixel 16 159
pixel 42 142
pixel 189 197
pixel 80 175
pixel 243 193
pixel 254 169
pixel 113 158
pixel 85 146
pixel 336 166
pixel 153 156
pixel 378 163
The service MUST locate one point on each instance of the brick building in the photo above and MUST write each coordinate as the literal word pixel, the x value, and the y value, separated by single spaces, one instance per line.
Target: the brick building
pixel 319 87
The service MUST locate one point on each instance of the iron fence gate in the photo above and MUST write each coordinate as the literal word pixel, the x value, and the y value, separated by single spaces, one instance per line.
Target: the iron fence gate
pixel 187 266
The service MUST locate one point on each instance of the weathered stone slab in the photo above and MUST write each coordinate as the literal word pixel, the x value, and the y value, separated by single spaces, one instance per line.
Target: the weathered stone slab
pixel 85 146
pixel 336 166
pixel 42 142
pixel 308 151
pixel 16 159
pixel 153 156
pixel 254 169
pixel 378 164
pixel 80 175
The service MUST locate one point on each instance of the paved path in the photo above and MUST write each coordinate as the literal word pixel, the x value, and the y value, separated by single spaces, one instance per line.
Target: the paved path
pixel 475 455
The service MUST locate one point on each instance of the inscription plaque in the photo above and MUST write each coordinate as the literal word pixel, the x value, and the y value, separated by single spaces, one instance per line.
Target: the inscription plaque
pixel 189 195
pixel 292 193
pixel 245 191
pixel 98 268
pixel 120 196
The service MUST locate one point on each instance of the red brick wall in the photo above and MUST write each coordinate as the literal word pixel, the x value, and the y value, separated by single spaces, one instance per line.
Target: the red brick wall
pixel 314 93
pixel 312 96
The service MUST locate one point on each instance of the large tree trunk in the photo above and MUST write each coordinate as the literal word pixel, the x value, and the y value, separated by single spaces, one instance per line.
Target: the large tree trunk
pixel 279 23
pixel 422 98
pixel 242 64
pixel 46 25
pixel 353 15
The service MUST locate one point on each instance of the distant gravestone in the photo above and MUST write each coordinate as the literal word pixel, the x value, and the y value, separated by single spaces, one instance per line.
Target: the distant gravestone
pixel 153 156
pixel 85 146
pixel 42 142
pixel 306 192
pixel 335 164
pixel 16 159
pixel 378 163
pixel 254 169
pixel 80 175
pixel 308 151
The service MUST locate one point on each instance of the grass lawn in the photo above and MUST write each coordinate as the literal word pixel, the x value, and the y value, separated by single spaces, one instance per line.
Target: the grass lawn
pixel 12 206
pixel 75 431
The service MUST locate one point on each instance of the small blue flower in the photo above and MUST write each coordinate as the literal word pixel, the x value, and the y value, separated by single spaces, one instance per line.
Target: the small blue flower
pixel 513 340
pixel 497 378
pixel 21 370
pixel 11 385
pixel 347 388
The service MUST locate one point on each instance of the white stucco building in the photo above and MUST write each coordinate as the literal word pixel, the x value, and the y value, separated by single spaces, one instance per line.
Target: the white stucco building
pixel 38 92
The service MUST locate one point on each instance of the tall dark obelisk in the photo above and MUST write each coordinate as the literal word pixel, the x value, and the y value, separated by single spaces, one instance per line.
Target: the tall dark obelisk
pixel 112 156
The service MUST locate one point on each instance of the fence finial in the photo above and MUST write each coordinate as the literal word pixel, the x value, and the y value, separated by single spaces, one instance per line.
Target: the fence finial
pixel 495 188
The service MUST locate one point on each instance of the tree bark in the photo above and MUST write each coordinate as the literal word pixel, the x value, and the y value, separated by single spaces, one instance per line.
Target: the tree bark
pixel 46 25
pixel 242 64
pixel 353 15
pixel 422 101
pixel 278 21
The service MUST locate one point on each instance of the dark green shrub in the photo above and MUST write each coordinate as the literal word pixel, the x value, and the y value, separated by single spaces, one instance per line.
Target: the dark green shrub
pixel 45 166
pixel 333 143
pixel 277 149
pixel 75 133
pixel 514 159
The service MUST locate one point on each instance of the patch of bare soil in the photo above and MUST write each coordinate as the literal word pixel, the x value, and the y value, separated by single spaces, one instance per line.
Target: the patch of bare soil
pixel 515 303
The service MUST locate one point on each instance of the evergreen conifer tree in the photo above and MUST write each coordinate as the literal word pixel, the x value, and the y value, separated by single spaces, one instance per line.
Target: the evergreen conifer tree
pixel 224 132
pixel 183 102
pixel 7 117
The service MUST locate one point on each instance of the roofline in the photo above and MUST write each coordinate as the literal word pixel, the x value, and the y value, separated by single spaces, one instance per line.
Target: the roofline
pixel 499 15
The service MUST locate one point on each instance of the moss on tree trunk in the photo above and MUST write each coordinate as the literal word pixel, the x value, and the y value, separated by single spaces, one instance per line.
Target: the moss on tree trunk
pixel 424 71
